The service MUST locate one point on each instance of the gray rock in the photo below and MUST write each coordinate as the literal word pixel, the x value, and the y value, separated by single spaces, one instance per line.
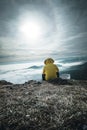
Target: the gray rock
pixel 48 105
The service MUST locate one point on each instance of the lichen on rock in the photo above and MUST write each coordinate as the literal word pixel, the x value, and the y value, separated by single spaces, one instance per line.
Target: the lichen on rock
pixel 53 105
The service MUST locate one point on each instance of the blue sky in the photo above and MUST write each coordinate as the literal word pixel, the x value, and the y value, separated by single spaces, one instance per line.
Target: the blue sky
pixel 36 29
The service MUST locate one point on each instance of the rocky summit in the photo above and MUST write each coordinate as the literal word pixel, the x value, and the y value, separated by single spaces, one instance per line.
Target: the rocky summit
pixel 47 105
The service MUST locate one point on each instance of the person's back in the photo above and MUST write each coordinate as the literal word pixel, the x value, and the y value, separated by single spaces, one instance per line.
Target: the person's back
pixel 50 70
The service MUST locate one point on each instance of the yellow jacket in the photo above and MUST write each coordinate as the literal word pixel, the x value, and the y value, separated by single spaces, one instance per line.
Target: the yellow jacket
pixel 50 70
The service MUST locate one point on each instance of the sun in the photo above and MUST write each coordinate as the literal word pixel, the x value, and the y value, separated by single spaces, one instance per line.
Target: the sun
pixel 31 30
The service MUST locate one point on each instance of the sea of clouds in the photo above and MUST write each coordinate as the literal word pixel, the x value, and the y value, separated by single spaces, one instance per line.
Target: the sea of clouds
pixel 22 72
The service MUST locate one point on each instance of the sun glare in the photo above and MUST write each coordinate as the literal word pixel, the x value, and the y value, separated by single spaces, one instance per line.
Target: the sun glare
pixel 31 30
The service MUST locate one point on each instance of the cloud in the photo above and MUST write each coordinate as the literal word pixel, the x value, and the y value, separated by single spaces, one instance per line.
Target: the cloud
pixel 74 37
pixel 64 34
pixel 13 50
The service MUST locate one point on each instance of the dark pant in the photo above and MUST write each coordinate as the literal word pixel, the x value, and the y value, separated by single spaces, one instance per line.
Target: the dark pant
pixel 43 76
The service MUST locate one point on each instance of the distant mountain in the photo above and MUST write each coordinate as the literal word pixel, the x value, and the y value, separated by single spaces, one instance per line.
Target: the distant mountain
pixel 78 72
pixel 35 67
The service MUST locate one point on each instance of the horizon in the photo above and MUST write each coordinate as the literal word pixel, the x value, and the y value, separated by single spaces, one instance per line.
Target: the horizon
pixel 23 72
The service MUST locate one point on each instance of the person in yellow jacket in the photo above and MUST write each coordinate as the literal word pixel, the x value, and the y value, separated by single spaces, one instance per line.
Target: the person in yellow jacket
pixel 50 70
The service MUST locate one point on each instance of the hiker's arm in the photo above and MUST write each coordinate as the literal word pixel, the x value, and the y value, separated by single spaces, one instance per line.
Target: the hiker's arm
pixel 57 71
pixel 57 74
pixel 43 74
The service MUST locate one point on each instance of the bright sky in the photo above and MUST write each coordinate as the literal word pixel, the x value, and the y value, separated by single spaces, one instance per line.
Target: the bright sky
pixel 34 30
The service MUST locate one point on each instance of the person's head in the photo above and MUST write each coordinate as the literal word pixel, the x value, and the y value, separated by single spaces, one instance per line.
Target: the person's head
pixel 48 61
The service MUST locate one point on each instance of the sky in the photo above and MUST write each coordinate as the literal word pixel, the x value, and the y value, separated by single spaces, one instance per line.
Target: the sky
pixel 37 29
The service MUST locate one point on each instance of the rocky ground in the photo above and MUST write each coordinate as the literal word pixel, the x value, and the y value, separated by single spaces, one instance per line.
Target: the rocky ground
pixel 53 105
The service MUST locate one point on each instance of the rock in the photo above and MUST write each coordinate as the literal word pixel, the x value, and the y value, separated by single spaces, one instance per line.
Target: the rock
pixel 3 82
pixel 47 105
pixel 60 81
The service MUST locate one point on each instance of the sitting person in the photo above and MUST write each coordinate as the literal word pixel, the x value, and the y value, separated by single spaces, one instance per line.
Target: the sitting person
pixel 50 70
